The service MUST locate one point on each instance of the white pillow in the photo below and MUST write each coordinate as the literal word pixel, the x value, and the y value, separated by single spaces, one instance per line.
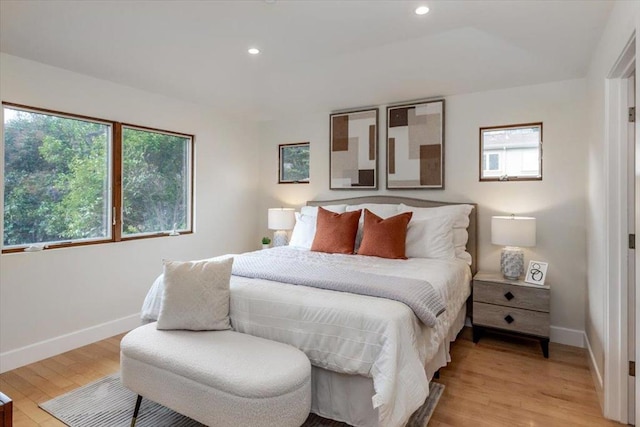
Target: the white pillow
pixel 313 210
pixel 151 305
pixel 460 238
pixel 460 216
pixel 304 231
pixel 430 238
pixel 196 295
pixel 460 213
pixel 382 210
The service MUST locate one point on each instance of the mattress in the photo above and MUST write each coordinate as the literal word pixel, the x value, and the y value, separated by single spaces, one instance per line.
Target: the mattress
pixel 352 334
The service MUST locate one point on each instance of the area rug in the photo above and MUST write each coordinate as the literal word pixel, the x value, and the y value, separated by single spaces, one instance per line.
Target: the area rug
pixel 107 403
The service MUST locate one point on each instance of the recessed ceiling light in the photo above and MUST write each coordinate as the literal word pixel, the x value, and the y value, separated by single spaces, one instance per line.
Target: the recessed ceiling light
pixel 422 10
pixel 253 51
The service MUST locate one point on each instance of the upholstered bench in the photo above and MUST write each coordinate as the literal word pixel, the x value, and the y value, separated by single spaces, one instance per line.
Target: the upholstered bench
pixel 219 378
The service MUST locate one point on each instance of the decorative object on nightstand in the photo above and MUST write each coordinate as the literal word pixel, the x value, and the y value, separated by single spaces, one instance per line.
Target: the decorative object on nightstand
pixel 512 306
pixel 266 242
pixel 513 232
pixel 281 220
pixel 536 273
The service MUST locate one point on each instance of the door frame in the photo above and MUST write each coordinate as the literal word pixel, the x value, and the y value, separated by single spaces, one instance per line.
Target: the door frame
pixel 632 191
pixel 616 341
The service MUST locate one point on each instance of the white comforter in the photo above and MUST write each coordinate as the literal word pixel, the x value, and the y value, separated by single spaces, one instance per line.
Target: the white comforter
pixel 348 333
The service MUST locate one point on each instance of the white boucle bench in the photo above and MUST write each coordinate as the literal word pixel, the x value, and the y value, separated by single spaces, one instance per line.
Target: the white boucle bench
pixel 219 378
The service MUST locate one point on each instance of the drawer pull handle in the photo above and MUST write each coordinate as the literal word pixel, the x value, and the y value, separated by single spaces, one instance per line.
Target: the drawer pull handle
pixel 509 296
pixel 509 319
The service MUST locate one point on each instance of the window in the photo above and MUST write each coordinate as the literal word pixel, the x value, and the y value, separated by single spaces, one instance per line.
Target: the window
pixel 156 182
pixel 511 152
pixel 62 186
pixel 492 163
pixel 294 163
pixel 56 178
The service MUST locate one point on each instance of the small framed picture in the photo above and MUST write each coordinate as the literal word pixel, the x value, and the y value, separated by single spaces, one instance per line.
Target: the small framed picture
pixel 536 273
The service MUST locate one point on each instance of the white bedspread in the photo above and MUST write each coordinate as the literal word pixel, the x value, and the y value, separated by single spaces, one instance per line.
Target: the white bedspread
pixel 348 333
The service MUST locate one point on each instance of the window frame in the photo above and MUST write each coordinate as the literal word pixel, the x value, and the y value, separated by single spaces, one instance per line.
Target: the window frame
pixel 115 180
pixel 501 159
pixel 281 149
pixel 118 208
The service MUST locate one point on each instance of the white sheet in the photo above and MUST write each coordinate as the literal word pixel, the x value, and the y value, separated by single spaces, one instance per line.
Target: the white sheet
pixel 353 334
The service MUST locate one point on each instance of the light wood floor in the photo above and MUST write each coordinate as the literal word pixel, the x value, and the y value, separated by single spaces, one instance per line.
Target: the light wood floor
pixel 497 382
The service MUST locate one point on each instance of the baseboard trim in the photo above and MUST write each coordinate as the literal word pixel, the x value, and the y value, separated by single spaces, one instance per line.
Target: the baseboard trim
pixel 572 337
pixel 598 382
pixel 34 352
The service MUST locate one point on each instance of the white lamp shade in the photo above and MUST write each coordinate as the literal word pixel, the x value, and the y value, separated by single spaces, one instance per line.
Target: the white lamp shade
pixel 281 219
pixel 513 231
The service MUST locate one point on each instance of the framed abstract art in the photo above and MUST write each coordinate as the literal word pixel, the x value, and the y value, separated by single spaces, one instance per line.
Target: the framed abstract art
pixel 415 145
pixel 353 149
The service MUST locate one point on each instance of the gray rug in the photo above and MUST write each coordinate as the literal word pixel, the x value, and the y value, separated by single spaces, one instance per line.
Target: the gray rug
pixel 107 403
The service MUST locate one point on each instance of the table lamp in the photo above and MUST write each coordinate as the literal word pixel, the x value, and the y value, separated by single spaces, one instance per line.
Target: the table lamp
pixel 281 220
pixel 512 232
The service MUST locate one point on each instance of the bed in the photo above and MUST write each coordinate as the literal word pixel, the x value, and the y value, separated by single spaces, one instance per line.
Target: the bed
pixel 372 357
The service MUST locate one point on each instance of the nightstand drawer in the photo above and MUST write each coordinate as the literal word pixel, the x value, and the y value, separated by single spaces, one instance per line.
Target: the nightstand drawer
pixel 524 321
pixel 511 296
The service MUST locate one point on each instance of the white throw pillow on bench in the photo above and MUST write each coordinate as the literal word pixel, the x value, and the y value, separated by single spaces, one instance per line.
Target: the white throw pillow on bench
pixel 196 295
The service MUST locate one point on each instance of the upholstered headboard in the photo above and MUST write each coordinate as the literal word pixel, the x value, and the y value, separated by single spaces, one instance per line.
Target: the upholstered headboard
pixel 472 243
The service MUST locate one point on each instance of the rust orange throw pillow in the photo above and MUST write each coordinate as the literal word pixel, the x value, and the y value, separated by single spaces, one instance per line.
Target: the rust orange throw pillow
pixel 335 233
pixel 385 238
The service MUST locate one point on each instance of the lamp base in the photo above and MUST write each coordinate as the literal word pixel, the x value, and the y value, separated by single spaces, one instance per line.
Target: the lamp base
pixel 280 238
pixel 512 263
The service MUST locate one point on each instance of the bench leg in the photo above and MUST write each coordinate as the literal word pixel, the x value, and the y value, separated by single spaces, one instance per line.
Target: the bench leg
pixel 135 411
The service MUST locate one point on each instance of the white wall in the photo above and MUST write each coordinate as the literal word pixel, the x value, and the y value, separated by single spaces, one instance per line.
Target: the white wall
pixel 558 201
pixel 59 299
pixel 602 186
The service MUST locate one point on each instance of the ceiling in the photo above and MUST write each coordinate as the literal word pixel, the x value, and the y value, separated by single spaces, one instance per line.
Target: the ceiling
pixel 315 55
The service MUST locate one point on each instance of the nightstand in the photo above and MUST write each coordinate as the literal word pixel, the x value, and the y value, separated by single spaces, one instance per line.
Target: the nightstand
pixel 510 305
pixel 6 411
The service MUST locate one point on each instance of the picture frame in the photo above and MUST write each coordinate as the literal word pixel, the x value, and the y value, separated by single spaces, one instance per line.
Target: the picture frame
pixel 353 150
pixel 293 163
pixel 536 273
pixel 415 145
